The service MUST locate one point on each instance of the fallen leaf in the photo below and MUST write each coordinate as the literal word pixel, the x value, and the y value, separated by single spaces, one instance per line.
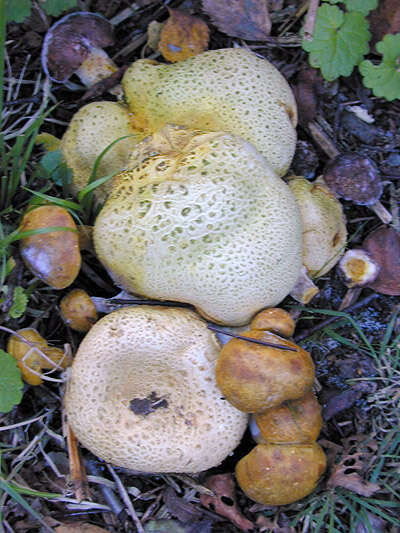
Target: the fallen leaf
pixel 182 36
pixel 224 501
pixel 385 19
pixel 245 19
pixel 348 472
pixel 306 92
pixel 267 525
pixel 383 245
pixel 179 508
pixel 79 527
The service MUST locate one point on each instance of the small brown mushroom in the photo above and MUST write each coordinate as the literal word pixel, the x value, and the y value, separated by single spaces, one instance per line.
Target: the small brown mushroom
pixel 78 310
pixel 295 421
pixel 253 377
pixel 383 246
pixel 33 354
pixel 274 319
pixel 278 474
pixel 74 44
pixel 356 178
pixel 54 257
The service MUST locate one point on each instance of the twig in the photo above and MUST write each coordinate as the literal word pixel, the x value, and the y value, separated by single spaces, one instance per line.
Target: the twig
pixel 308 332
pixel 249 339
pixel 125 497
pixel 311 16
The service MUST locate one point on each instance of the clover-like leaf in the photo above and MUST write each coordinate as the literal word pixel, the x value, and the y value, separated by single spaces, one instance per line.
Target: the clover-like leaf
pixel 20 301
pixel 362 6
pixel 339 42
pixel 18 11
pixel 384 79
pixel 56 7
pixel 10 382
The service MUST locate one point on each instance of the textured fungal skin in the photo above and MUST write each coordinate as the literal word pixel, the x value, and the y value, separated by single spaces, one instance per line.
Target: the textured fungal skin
pixel 324 226
pixel 134 353
pixel 93 128
pixel 228 90
pixel 205 222
pixel 278 474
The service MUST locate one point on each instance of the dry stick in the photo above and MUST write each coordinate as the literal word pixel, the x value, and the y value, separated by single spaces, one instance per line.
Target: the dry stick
pixel 249 339
pixel 311 16
pixel 108 493
pixel 314 329
pixel 127 501
pixel 76 467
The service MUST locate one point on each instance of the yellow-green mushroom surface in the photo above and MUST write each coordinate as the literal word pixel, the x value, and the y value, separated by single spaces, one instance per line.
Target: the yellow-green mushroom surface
pixel 202 219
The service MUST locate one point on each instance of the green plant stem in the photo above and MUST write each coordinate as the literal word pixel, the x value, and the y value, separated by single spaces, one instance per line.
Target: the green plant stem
pixel 2 47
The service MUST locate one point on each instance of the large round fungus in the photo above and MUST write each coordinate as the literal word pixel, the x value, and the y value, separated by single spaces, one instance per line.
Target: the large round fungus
pixel 205 221
pixel 92 129
pixel 142 393
pixel 229 90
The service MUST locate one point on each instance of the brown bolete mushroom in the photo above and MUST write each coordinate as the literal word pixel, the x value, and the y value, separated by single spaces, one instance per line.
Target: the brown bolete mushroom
pixel 356 178
pixel 203 219
pixel 78 310
pixel 54 256
pixel 292 422
pixel 142 392
pixel 33 354
pixel 254 378
pixel 278 474
pixel 74 45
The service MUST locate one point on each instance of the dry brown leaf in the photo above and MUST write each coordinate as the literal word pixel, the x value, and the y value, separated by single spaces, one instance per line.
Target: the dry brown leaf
pixel 385 19
pixel 79 527
pixel 224 501
pixel 348 472
pixel 245 19
pixel 182 36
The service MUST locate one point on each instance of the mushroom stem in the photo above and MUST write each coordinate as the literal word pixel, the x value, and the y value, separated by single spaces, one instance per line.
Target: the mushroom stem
pixel 97 67
pixel 305 289
pixel 381 212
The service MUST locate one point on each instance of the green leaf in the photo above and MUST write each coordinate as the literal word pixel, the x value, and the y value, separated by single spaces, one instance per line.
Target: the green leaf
pixel 362 6
pixel 20 301
pixel 10 382
pixel 17 10
pixel 56 7
pixel 384 79
pixel 339 42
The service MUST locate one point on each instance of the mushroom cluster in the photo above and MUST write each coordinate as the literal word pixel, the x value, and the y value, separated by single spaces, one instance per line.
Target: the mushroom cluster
pixel 275 383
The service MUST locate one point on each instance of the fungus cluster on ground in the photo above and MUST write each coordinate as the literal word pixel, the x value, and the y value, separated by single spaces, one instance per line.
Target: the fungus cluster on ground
pixel 197 212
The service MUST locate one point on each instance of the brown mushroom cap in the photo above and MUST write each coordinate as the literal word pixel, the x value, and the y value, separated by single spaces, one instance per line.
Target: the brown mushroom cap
pixel 295 421
pixel 354 177
pixel 142 393
pixel 276 320
pixel 253 377
pixel 78 310
pixel 68 42
pixel 278 474
pixel 54 257
pixel 383 246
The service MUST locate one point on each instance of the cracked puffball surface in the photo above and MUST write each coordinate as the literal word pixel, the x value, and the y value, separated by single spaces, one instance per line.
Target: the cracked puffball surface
pixel 142 393
pixel 206 221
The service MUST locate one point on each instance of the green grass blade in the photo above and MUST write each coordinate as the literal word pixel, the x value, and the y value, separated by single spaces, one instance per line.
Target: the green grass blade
pixel 67 204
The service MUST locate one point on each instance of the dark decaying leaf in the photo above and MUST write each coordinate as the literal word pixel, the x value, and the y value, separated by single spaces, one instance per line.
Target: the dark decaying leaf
pixel 385 19
pixel 185 512
pixel 145 406
pixel 348 473
pixel 245 19
pixel 224 501
pixel 173 526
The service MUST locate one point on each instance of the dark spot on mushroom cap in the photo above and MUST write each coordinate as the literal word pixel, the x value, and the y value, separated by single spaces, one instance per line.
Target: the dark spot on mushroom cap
pixel 67 43
pixel 354 177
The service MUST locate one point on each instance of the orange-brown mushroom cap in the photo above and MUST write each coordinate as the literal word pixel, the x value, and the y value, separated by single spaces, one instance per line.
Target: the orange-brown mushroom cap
pixel 253 377
pixel 278 474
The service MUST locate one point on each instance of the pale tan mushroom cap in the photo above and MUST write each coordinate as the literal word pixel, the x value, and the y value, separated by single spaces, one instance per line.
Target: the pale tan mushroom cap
pixel 324 225
pixel 132 353
pixel 93 128
pixel 210 224
pixel 228 90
